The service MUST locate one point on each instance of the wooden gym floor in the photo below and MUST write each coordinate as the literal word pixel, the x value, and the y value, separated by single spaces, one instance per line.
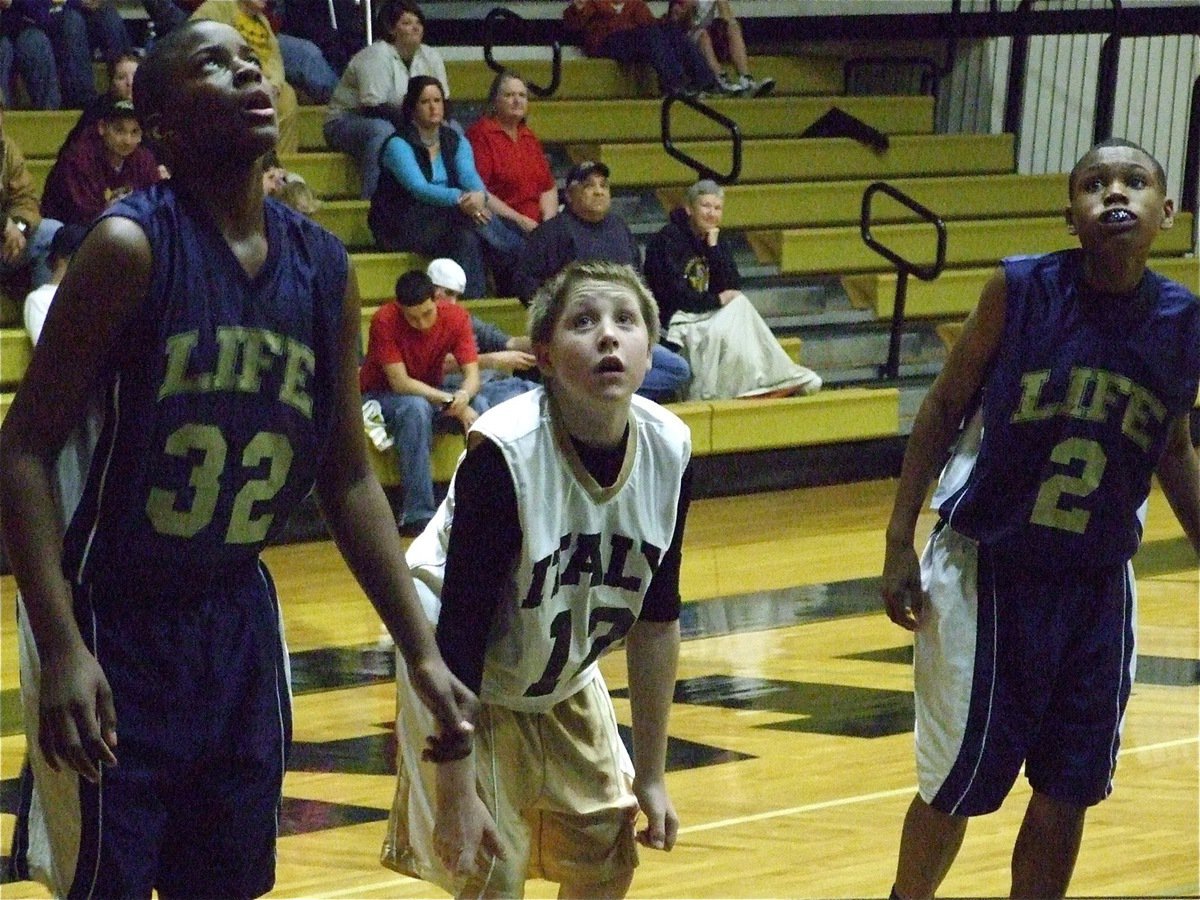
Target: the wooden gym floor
pixel 791 737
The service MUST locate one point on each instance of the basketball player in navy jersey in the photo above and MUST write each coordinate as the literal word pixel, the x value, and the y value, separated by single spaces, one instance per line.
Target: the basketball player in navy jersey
pixel 222 330
pixel 560 536
pixel 1076 374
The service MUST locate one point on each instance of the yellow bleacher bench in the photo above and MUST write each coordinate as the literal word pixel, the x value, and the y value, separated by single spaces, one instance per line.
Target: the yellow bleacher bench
pixel 809 159
pixel 582 121
pixel 831 416
pixel 15 353
pixel 956 291
pixel 830 202
pixel 840 250
pixel 597 79
pixel 377 273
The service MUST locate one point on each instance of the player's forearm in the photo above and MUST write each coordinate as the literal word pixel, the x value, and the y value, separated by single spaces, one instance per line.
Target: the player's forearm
pixel 455 780
pixel 361 522
pixel 1179 475
pixel 934 430
pixel 652 654
pixel 33 539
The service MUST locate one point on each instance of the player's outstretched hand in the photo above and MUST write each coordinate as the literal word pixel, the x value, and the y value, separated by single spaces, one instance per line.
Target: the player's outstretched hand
pixel 77 723
pixel 902 594
pixel 662 824
pixel 452 704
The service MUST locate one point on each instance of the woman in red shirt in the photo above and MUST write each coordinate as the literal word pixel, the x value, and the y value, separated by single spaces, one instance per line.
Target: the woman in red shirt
pixel 510 159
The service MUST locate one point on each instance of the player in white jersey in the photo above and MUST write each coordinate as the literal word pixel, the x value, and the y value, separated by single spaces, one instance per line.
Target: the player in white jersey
pixel 560 536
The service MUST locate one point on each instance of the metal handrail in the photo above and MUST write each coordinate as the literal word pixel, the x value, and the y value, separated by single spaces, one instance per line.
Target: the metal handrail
pixel 1106 83
pixel 704 171
pixel 499 14
pixel 903 267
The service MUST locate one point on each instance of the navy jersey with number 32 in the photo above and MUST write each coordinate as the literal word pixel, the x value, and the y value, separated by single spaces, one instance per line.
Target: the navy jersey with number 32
pixel 220 399
pixel 1076 410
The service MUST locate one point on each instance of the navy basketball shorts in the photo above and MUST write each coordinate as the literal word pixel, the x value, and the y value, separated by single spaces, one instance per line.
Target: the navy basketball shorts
pixel 202 695
pixel 1016 665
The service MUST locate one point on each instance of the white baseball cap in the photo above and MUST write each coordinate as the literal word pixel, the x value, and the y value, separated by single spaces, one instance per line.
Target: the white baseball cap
pixel 446 273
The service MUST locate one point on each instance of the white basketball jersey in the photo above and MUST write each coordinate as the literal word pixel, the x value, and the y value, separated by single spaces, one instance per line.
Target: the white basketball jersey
pixel 588 553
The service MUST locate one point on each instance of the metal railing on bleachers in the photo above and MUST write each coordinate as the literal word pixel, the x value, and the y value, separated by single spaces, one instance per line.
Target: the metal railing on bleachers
pixel 891 369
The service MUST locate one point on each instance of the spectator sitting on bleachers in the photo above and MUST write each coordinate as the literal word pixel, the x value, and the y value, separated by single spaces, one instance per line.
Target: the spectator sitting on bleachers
pixel 585 230
pixel 120 87
pixel 694 277
pixel 28 46
pixel 104 164
pixel 67 25
pixel 27 234
pixel 364 110
pixel 430 200
pixel 403 370
pixel 510 158
pixel 628 32
pixel 250 20
pixel 718 35
pixel 501 355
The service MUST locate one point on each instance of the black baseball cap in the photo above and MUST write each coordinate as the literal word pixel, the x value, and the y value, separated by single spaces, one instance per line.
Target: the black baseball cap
pixel 584 170
pixel 117 109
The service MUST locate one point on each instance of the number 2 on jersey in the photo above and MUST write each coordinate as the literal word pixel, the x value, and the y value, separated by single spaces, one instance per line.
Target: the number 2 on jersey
pixel 1048 509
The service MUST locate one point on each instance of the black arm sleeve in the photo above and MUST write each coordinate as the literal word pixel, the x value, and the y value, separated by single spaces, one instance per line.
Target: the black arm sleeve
pixel 484 541
pixel 662 601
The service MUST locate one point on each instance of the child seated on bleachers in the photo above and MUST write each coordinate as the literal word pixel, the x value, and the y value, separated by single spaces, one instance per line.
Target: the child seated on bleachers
pixel 105 164
pixel 120 87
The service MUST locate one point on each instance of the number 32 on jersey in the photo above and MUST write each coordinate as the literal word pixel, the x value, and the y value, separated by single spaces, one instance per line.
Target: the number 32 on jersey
pixel 267 451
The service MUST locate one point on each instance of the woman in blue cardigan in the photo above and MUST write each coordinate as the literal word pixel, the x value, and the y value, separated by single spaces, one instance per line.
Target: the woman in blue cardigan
pixel 430 200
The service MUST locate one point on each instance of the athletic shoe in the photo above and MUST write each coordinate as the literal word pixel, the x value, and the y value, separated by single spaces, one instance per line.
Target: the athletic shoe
pixel 730 88
pixel 758 87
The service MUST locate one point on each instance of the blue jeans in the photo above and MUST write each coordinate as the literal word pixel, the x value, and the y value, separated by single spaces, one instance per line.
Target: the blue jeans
pixel 305 67
pixel 675 59
pixel 494 387
pixel 36 253
pixel 668 375
pixel 68 33
pixel 34 57
pixel 411 421
pixel 107 32
pixel 444 231
pixel 362 137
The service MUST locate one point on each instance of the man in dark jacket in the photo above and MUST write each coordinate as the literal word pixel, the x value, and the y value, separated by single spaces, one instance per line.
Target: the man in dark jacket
pixel 587 229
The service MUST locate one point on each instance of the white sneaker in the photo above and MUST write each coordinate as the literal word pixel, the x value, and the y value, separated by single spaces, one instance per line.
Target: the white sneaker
pixel 733 88
pixel 757 87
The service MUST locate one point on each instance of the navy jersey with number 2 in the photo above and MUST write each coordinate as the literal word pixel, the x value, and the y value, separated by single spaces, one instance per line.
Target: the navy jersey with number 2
pixel 1075 413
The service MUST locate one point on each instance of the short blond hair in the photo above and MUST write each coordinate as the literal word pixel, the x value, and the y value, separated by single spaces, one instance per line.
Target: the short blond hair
pixel 546 306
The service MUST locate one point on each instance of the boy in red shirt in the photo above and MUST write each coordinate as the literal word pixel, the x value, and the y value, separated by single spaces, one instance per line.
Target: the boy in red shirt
pixel 406 347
